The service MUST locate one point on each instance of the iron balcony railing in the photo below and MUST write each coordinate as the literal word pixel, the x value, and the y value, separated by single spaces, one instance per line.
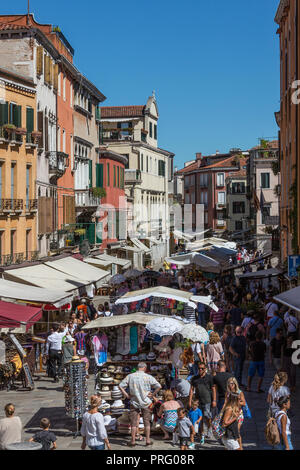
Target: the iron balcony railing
pixel 18 258
pixel 58 161
pixel 31 205
pixel 11 205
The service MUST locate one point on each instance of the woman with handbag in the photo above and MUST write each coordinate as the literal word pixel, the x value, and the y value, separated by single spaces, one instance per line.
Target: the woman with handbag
pixel 232 408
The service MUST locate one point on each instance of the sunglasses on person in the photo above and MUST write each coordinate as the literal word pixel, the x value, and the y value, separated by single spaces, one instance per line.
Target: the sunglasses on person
pixel 202 368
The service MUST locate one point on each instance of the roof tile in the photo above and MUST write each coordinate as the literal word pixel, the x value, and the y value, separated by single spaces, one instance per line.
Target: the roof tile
pixel 122 111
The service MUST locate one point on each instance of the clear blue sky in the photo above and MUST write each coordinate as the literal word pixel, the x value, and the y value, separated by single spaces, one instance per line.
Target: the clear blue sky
pixel 213 64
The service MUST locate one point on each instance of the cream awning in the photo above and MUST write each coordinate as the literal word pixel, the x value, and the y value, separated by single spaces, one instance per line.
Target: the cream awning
pixel 140 245
pixel 119 320
pixel 71 266
pixel 125 263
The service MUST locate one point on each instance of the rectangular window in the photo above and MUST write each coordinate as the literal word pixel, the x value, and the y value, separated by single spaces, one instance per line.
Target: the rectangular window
pixel 150 129
pixel 15 114
pixel 12 181
pixel 220 179
pixel 107 181
pixel 64 141
pixel 238 207
pixel 142 162
pixel 147 162
pixel 114 176
pixel 221 198
pixel 64 88
pixel 238 188
pixel 155 131
pixel 39 60
pixel 265 180
pixel 27 186
pixel 59 83
pixel 266 212
pixel 58 139
pixel 238 225
pixel 99 175
pixel 161 168
pixel 71 95
pixel 29 121
pixel 12 241
pixel 3 113
pixel 118 169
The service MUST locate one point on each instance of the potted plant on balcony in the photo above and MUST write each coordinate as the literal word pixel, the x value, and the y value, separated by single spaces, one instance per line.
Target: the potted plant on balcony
pixel 9 128
pixel 36 135
pixel 98 192
pixel 21 131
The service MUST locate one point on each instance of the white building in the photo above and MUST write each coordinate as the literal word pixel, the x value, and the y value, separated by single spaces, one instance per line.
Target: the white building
pixel 133 131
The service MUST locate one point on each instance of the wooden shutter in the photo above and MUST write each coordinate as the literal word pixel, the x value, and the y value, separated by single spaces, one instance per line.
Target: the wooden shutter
pixel 118 170
pixel 40 121
pixel 90 173
pixel 55 78
pixel 3 113
pixel 69 209
pixel 46 132
pixel 48 214
pixel 39 60
pixel 99 175
pixel 107 180
pixel 41 215
pixel 29 120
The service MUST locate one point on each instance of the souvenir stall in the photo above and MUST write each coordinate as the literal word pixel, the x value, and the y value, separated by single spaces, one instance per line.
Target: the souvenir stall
pixel 120 343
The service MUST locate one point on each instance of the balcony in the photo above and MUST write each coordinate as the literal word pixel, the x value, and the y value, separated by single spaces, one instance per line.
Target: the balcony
pixel 85 198
pixel 117 134
pixel 11 136
pixel 18 258
pixel 133 177
pixel 221 223
pixel 58 162
pixel 11 205
pixel 31 205
pixel 31 141
pixel 220 206
pixel 270 220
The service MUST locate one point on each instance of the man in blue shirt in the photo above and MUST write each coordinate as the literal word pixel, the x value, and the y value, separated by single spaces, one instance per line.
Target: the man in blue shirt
pixel 274 323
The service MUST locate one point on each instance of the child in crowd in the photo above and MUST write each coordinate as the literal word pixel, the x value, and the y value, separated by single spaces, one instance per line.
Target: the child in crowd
pixel 195 416
pixel 45 437
pixel 184 428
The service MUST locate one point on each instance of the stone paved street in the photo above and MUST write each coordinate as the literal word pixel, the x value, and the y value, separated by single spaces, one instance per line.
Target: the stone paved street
pixel 47 400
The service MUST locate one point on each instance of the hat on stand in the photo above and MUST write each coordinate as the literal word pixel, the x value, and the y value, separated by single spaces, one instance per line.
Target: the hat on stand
pixel 151 356
pixel 118 404
pixel 106 378
pixel 111 369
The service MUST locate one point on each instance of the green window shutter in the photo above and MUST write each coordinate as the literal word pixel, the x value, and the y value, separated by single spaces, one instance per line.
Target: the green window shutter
pixel 29 119
pixel 107 181
pixel 118 169
pixel 114 176
pixel 11 113
pixel 90 173
pixel 3 113
pixel 16 115
pixel 99 175
pixel 19 114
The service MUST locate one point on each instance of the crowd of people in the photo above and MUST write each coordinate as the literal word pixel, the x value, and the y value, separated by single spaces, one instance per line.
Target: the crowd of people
pixel 248 328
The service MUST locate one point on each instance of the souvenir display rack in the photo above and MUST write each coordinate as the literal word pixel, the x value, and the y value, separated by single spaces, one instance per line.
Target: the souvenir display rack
pixel 76 391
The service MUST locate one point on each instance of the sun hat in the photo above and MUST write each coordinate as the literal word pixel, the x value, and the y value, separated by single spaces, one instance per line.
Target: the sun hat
pixel 115 388
pixel 151 356
pixel 117 404
pixel 134 358
pixel 105 388
pixel 118 357
pixel 142 357
pixel 76 359
pixel 119 369
pixel 117 382
pixel 119 377
pixel 111 368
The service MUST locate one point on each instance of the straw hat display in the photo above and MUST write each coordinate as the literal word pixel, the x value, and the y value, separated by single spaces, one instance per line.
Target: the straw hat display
pixel 106 378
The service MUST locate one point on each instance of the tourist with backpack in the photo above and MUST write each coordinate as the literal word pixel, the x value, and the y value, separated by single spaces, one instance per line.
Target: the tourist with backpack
pixel 284 424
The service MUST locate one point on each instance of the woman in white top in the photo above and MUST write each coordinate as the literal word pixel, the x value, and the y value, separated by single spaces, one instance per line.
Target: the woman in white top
pixel 10 427
pixel 284 424
pixel 277 390
pixel 93 428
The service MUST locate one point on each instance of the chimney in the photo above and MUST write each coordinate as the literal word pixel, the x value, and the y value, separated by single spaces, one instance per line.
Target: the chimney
pixel 198 159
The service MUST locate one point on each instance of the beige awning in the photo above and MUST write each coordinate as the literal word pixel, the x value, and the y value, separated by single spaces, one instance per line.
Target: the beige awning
pixel 119 320
pixel 140 245
pixel 125 263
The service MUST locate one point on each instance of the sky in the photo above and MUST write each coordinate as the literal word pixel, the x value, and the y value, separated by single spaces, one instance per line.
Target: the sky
pixel 214 65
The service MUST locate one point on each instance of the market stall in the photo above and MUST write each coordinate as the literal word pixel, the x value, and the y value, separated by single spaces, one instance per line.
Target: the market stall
pixel 291 299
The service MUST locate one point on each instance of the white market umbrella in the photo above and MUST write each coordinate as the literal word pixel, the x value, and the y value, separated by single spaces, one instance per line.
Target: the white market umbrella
pixel 195 333
pixel 117 279
pixel 164 326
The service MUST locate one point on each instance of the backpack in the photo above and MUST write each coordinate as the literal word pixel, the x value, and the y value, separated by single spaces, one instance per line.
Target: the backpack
pixel 272 432
pixel 252 332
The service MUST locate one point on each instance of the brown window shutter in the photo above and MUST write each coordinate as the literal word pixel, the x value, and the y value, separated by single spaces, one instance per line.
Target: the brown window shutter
pixel 48 214
pixel 40 121
pixel 45 68
pixel 55 79
pixel 39 60
pixel 51 72
pixel 46 132
pixel 73 216
pixel 42 215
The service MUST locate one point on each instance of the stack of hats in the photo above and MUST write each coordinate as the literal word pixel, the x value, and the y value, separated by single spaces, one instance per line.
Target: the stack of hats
pixel 116 393
pixel 142 357
pixel 104 406
pixel 117 406
pixel 105 392
pixel 106 378
pixel 151 356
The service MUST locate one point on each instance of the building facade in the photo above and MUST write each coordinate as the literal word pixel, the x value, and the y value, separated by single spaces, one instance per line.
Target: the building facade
pixel 18 155
pixel 132 131
pixel 288 120
pixel 238 205
pixel 205 190
pixel 263 179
